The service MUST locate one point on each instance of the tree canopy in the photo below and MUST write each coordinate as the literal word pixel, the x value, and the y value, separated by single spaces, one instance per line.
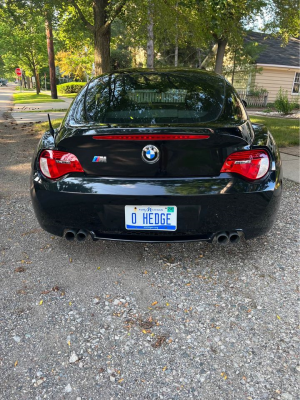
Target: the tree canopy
pixel 95 36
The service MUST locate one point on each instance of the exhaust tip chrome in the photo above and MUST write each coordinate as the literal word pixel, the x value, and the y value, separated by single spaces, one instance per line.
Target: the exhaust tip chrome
pixel 70 234
pixel 222 238
pixel 81 235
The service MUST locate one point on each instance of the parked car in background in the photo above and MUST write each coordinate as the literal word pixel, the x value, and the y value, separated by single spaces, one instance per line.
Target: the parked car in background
pixel 3 82
pixel 157 155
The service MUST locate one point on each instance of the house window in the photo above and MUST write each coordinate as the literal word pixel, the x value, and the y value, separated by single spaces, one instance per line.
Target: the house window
pixel 296 84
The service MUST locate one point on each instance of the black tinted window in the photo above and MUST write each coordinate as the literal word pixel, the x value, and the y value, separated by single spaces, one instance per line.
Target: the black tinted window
pixel 155 98
pixel 233 108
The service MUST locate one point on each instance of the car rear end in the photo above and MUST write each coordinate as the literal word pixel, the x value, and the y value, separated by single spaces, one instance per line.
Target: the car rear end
pixel 166 156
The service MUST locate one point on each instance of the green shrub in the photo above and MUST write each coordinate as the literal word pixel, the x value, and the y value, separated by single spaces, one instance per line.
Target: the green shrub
pixel 282 103
pixel 70 87
pixel 258 91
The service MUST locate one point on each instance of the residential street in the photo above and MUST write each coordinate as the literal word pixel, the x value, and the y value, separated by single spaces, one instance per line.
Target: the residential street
pixel 109 320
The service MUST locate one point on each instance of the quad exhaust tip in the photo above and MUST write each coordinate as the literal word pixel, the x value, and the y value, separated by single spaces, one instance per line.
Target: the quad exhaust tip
pixel 234 237
pixel 223 238
pixel 70 234
pixel 81 235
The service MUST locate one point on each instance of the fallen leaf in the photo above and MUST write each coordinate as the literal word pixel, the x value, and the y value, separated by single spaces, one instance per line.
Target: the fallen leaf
pixel 167 304
pixel 41 302
pixel 21 291
pixel 55 289
pixel 146 324
pixel 16 363
pixel 164 368
pixel 70 303
pixel 120 380
pixel 20 269
pixel 98 267
pixel 70 259
pixel 159 341
pixel 154 303
pixel 45 292
pixel 217 327
pixel 145 272
pixel 278 317
pixel 188 284
pixel 69 343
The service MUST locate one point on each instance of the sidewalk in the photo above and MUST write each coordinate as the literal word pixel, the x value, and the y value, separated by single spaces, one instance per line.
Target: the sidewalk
pixel 290 157
pixel 24 113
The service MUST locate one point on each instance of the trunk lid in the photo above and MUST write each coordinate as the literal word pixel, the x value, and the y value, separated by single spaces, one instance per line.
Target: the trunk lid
pixel 177 158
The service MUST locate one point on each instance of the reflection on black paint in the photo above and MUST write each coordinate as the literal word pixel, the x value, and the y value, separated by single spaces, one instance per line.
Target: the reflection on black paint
pixel 154 98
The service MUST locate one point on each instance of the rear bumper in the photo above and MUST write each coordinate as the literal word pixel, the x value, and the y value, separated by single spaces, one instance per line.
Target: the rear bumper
pixel 205 206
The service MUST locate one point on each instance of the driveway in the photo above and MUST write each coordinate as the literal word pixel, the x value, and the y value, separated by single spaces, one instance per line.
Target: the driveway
pixel 108 320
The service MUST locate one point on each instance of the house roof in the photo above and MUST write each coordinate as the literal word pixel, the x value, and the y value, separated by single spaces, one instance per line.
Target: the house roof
pixel 273 52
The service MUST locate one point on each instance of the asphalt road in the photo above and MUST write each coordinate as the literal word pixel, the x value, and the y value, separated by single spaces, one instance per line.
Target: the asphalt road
pixel 110 320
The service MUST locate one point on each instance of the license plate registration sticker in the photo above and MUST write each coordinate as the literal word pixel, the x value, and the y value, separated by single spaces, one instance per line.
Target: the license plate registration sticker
pixel 160 218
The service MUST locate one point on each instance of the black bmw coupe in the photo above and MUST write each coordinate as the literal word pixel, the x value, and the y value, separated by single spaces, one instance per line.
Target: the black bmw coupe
pixel 157 156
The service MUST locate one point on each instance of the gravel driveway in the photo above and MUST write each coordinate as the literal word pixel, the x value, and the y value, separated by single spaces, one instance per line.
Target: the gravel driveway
pixel 110 320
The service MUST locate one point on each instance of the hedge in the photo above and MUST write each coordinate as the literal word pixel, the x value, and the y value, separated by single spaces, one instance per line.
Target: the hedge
pixel 70 87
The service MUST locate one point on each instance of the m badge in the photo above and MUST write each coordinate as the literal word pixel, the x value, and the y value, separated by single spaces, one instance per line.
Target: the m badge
pixel 102 159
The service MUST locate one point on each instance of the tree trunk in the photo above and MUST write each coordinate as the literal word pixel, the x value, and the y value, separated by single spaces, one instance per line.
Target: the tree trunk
pixel 37 81
pixel 150 43
pixel 28 82
pixel 38 84
pixel 51 61
pixel 208 57
pixel 176 56
pixel 102 36
pixel 102 51
pixel 199 57
pixel 220 55
pixel 176 37
pixel 233 69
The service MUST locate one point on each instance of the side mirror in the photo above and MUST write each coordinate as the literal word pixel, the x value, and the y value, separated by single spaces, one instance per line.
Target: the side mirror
pixel 245 103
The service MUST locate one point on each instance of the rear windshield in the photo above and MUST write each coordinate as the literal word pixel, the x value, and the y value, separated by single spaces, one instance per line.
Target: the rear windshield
pixel 154 98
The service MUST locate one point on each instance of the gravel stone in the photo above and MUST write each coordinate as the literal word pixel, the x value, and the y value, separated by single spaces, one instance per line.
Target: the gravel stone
pixel 286 396
pixel 73 358
pixel 68 389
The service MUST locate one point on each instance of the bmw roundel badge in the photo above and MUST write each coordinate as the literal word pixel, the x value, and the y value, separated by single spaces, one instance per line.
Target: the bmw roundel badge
pixel 150 154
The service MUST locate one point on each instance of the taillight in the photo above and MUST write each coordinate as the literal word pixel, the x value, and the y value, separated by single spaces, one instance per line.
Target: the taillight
pixel 54 163
pixel 252 164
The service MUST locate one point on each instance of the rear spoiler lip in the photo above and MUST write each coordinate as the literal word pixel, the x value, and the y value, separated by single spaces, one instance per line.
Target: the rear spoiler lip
pixel 243 131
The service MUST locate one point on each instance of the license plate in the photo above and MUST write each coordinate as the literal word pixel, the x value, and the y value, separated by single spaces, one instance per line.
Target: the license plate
pixel 160 218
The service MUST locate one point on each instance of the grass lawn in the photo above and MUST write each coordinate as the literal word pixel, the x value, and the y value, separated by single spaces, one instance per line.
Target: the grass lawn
pixel 70 95
pixel 30 97
pixel 51 110
pixel 44 126
pixel 284 130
